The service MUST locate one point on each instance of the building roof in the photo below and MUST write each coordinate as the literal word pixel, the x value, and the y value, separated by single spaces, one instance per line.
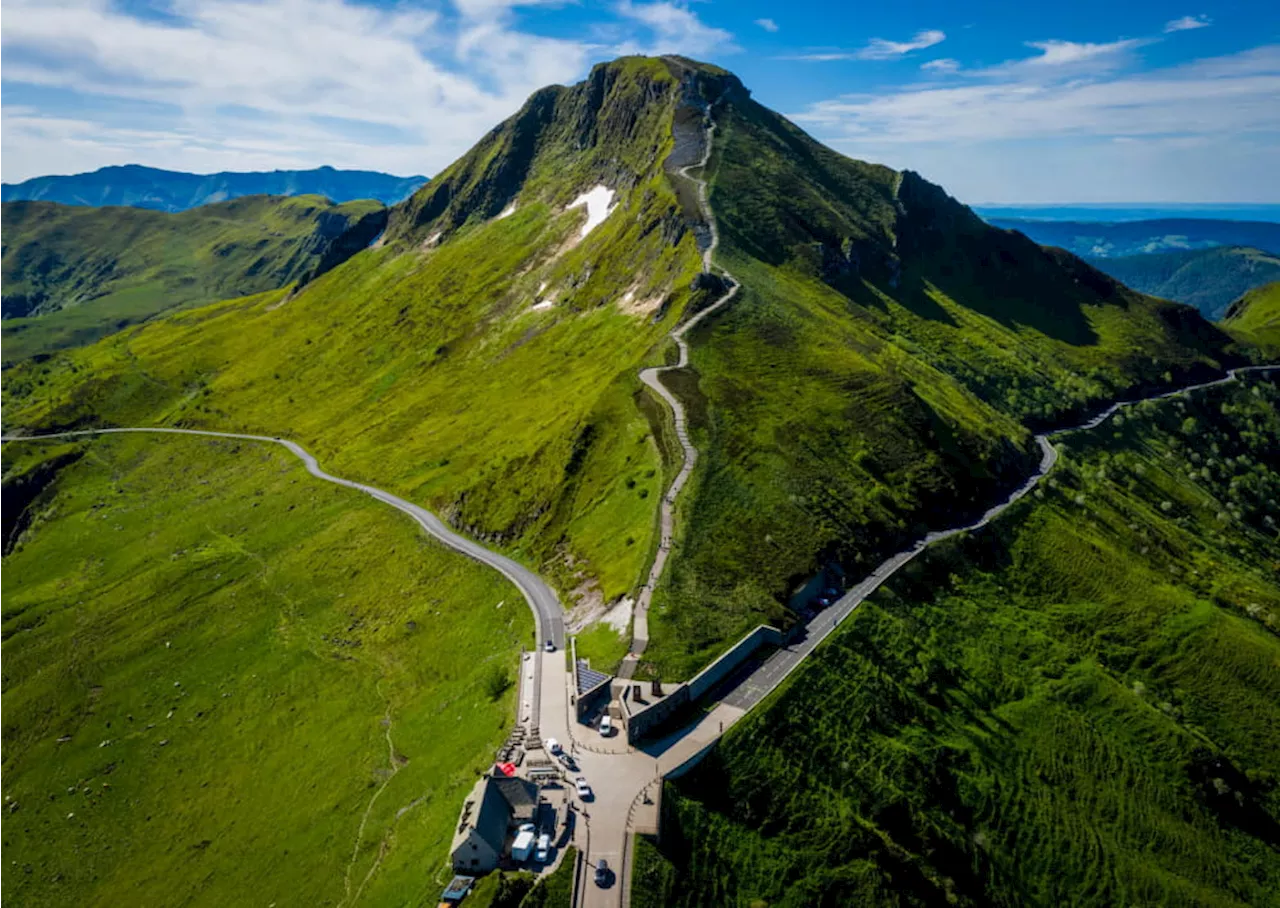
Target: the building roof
pixel 490 808
pixel 521 797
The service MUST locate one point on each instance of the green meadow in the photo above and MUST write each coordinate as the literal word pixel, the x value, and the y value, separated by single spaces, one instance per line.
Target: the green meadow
pixel 227 683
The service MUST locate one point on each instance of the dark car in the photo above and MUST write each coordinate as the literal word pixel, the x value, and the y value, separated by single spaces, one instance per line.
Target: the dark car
pixel 602 873
pixel 831 593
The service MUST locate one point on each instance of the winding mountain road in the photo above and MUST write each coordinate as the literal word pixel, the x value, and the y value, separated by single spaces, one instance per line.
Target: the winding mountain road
pixel 547 613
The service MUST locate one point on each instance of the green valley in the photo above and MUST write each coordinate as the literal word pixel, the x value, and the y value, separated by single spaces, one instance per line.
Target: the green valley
pixel 74 274
pixel 1209 279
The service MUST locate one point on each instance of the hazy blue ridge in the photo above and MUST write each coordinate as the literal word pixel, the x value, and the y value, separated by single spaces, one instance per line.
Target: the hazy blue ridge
pixel 1131 212
pixel 168 190
pixel 1097 239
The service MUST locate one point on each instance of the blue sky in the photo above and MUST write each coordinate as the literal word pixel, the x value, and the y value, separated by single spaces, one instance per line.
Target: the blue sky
pixel 1000 102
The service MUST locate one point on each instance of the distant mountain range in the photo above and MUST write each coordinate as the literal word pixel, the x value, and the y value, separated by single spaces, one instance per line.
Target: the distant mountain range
pixel 1131 212
pixel 1096 239
pixel 1203 262
pixel 1209 279
pixel 170 190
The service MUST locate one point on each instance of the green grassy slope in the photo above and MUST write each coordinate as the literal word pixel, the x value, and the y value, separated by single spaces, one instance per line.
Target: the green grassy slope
pixel 1209 279
pixel 1077 705
pixel 1256 316
pixel 875 375
pixel 483 365
pixel 228 683
pixel 72 274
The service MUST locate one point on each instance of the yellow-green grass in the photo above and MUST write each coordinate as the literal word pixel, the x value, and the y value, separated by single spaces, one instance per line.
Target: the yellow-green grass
pixel 271 689
pixel 603 646
pixel 1076 705
pixel 1255 317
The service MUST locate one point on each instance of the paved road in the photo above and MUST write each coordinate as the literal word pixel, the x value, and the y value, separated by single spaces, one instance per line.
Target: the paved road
pixel 774 670
pixel 666 521
pixel 547 612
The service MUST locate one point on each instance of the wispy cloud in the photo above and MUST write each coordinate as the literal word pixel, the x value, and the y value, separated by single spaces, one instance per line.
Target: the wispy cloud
pixel 943 66
pixel 880 49
pixel 1219 96
pixel 875 49
pixel 235 84
pixel 1187 23
pixel 1063 53
pixel 767 24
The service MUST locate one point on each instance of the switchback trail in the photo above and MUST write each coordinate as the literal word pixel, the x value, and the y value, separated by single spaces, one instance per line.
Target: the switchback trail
pixel 640 622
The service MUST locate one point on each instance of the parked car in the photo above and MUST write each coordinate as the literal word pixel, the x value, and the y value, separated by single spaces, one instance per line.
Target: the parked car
pixel 567 759
pixel 606 725
pixel 584 790
pixel 553 746
pixel 550 647
pixel 822 602
pixel 602 873
pixel 544 848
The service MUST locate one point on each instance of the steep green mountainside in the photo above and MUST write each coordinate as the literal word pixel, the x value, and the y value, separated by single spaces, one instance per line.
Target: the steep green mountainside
pixel 1209 279
pixel 1077 705
pixel 1144 237
pixel 172 190
pixel 1256 315
pixel 229 683
pixel 876 375
pixel 73 274
pixel 482 360
pixel 873 377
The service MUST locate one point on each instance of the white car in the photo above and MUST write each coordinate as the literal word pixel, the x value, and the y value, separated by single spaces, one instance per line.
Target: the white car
pixel 584 790
pixel 544 848
pixel 606 725
pixel 551 647
pixel 553 746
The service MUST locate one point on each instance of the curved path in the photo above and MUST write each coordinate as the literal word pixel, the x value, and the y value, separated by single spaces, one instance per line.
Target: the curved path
pixel 547 613
pixel 640 622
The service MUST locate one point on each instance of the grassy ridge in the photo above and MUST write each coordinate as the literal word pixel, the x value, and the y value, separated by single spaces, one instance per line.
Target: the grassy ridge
pixel 1076 705
pixel 875 375
pixel 207 681
pixel 1256 316
pixel 73 274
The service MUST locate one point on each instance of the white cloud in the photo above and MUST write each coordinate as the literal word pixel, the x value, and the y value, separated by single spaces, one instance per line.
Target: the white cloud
pixel 1021 114
pixel 676 30
pixel 1062 53
pixel 1187 23
pixel 767 24
pixel 240 84
pixel 944 65
pixel 880 49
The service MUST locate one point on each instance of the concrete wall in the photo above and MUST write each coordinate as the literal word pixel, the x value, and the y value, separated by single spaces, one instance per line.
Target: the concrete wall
pixel 641 722
pixel 717 671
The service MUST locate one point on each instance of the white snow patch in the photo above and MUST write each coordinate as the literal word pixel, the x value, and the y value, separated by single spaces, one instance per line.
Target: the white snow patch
pixel 541 287
pixel 599 202
pixel 507 212
pixel 545 304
